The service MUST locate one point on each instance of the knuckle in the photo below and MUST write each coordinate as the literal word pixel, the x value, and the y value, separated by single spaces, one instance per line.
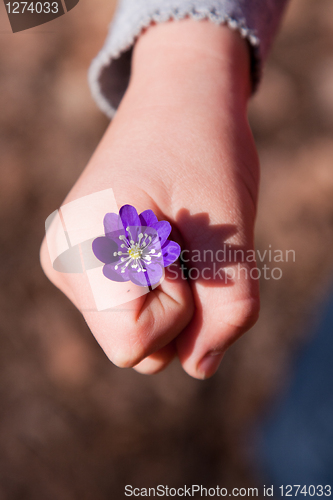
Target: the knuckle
pixel 129 351
pixel 122 359
pixel 244 313
pixel 126 358
pixel 139 342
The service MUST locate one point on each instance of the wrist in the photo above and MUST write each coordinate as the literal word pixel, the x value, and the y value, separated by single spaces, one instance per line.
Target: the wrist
pixel 191 62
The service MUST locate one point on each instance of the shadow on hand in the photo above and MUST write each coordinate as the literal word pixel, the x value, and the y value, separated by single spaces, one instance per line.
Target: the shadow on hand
pixel 206 257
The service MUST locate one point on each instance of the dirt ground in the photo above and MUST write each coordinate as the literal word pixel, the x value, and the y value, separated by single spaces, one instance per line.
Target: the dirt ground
pixel 73 426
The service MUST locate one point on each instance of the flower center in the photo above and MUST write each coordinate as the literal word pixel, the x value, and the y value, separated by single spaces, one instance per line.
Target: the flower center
pixel 135 252
pixel 138 255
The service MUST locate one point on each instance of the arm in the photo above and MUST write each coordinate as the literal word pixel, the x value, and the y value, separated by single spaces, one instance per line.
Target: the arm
pixel 255 20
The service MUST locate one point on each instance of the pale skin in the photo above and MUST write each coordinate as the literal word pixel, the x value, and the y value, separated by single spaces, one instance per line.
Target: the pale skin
pixel 180 144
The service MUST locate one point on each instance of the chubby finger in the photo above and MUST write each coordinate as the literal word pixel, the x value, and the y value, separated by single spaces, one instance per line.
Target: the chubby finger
pixel 131 332
pixel 223 282
pixel 222 315
pixel 158 361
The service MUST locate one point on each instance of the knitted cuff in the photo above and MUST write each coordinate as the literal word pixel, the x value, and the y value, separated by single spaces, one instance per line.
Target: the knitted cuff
pixel 256 21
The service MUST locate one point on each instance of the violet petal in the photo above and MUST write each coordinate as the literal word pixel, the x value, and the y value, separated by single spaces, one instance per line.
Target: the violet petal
pixel 115 275
pixel 148 218
pixel 163 228
pixel 170 252
pixel 112 222
pixel 104 248
pixel 151 277
pixel 129 216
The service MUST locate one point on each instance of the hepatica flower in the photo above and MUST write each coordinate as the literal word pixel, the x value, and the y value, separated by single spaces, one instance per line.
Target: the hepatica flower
pixel 135 247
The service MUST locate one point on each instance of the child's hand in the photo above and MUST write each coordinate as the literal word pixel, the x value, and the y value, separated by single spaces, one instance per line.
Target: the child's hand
pixel 180 145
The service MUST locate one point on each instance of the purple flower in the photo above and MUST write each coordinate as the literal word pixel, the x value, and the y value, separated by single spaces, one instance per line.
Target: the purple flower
pixel 135 247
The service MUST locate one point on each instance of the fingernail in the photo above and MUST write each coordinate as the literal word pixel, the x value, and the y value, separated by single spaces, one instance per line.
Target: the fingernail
pixel 209 363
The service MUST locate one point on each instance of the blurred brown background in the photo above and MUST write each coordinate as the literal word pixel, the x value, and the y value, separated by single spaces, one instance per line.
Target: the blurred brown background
pixel 73 426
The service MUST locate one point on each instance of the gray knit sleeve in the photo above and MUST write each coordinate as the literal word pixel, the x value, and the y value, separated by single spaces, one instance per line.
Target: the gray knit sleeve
pixel 256 20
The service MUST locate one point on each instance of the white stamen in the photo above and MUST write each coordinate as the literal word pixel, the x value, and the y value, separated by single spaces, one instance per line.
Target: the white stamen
pixel 137 254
